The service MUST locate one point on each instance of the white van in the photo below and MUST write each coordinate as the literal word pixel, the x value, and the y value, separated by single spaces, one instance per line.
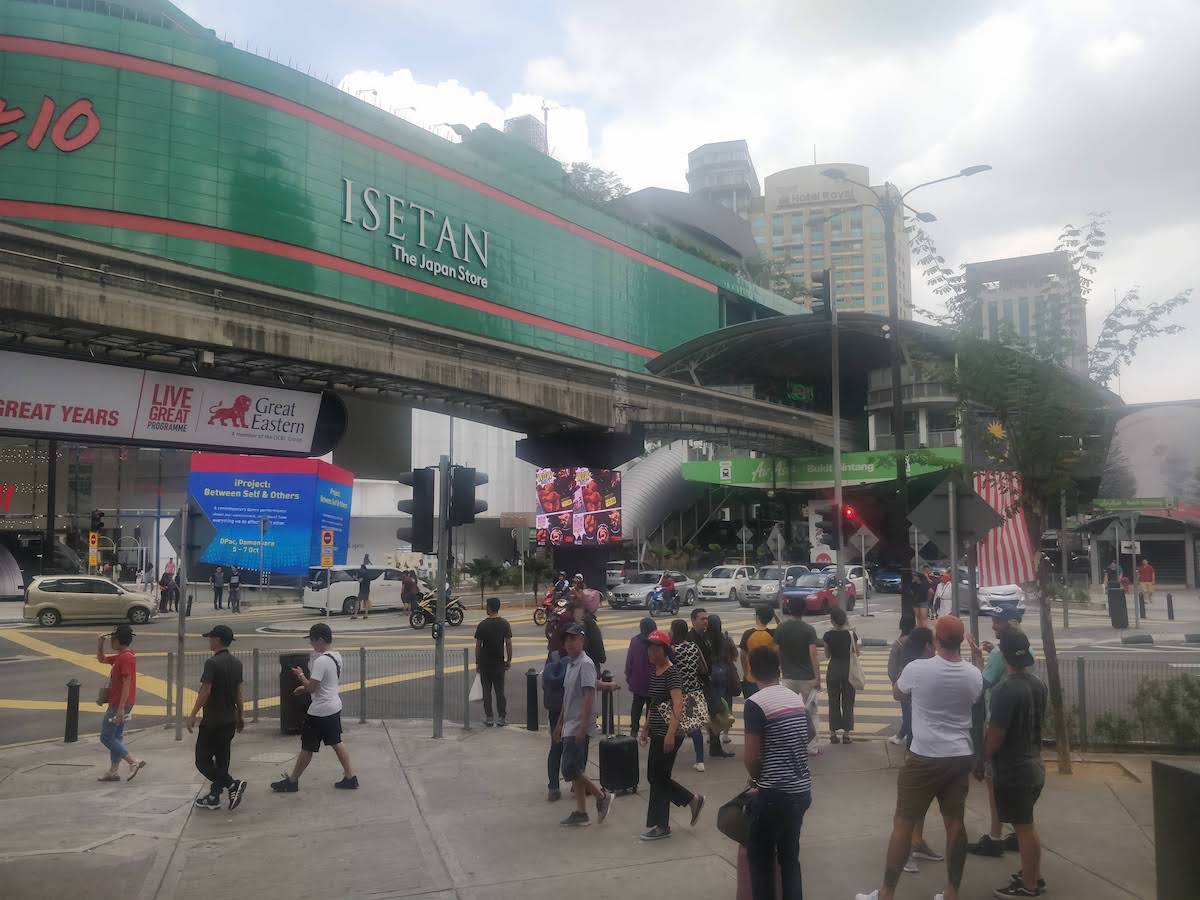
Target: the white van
pixel 342 592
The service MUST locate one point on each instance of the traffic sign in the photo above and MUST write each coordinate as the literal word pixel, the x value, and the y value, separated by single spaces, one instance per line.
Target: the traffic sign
pixel 975 517
pixel 744 534
pixel 93 539
pixel 93 558
pixel 326 548
pixel 776 543
pixel 327 537
pixel 1132 503
pixel 1131 548
pixel 201 533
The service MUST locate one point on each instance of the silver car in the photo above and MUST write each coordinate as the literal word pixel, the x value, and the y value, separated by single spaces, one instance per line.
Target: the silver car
pixel 765 585
pixel 634 592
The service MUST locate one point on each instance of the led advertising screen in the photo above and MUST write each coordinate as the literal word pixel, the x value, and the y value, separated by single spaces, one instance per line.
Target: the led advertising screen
pixel 297 497
pixel 578 506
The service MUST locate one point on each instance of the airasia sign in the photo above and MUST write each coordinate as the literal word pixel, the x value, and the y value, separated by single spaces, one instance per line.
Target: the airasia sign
pixel 68 398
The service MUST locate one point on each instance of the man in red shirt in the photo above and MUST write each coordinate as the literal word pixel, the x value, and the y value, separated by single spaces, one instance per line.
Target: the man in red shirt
pixel 1145 574
pixel 122 692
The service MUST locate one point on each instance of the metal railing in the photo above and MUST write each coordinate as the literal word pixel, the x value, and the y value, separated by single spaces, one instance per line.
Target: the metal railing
pixel 1129 702
pixel 374 684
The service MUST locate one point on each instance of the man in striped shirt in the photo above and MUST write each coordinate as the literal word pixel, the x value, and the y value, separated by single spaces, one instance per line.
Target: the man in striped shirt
pixel 778 729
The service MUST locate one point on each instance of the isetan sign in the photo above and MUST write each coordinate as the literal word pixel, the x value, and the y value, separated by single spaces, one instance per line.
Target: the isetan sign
pixel 68 398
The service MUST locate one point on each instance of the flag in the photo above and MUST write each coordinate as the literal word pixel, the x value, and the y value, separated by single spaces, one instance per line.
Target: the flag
pixel 1006 555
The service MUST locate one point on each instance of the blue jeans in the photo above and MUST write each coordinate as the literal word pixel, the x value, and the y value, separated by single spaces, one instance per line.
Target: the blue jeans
pixel 905 719
pixel 698 745
pixel 775 838
pixel 111 734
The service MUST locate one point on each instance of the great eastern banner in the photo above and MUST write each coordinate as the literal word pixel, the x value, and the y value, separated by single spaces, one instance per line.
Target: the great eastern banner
pixel 75 399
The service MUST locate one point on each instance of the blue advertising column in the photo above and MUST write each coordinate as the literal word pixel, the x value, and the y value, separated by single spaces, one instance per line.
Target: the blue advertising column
pixel 297 497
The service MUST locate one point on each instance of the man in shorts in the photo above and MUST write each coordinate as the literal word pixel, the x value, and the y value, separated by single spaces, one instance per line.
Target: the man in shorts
pixel 1013 744
pixel 323 722
pixel 942 689
pixel 576 723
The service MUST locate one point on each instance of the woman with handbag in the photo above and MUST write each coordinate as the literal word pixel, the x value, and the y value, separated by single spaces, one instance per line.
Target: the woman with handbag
pixel 661 731
pixel 690 662
pixel 119 696
pixel 841 649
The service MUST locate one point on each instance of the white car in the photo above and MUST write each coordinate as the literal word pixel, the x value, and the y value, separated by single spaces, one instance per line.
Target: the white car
pixel 340 592
pixel 727 583
pixel 634 591
pixel 764 587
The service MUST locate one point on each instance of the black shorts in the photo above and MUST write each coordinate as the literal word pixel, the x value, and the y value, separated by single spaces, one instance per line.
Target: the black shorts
pixel 1015 804
pixel 574 757
pixel 318 729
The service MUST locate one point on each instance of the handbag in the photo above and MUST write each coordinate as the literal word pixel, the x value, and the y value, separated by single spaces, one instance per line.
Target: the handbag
pixel 102 697
pixel 737 817
pixel 720 718
pixel 857 678
pixel 476 689
pixel 695 712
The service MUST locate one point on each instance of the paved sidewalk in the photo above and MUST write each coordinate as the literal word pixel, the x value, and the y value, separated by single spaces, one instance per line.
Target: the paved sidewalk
pixel 465 817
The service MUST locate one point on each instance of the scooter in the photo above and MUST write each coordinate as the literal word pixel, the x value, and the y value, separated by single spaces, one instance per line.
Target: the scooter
pixel 425 611
pixel 659 603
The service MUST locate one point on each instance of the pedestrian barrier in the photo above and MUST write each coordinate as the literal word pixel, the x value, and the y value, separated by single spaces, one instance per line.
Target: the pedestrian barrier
pixel 375 684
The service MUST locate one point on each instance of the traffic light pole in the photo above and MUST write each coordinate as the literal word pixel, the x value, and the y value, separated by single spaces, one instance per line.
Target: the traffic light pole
pixel 837 446
pixel 439 646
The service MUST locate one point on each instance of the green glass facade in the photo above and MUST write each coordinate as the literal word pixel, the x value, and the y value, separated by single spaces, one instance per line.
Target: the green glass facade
pixel 211 156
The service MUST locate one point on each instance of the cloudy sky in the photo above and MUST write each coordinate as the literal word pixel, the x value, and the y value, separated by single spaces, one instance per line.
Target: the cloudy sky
pixel 1079 106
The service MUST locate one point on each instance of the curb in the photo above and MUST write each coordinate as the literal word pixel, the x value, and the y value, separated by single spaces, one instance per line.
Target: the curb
pixel 1137 639
pixel 875 642
pixel 1161 639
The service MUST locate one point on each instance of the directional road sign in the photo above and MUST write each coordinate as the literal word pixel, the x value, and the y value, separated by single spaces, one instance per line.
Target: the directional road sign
pixel 776 543
pixel 201 533
pixel 744 534
pixel 1134 503
pixel 975 517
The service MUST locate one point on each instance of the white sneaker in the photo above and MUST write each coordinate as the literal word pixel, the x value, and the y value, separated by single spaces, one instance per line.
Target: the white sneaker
pixel 726 739
pixel 910 865
pixel 699 767
pixel 874 895
pixel 939 897
pixel 896 739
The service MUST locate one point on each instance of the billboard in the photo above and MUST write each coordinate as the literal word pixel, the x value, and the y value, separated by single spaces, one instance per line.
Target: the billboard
pixel 297 498
pixel 72 398
pixel 578 506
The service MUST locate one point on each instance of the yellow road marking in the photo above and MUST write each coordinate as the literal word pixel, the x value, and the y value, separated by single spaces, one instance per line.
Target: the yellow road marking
pixel 150 684
pixel 61 706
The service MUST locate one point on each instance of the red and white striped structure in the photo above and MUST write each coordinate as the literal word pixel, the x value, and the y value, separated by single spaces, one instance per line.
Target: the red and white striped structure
pixel 1006 554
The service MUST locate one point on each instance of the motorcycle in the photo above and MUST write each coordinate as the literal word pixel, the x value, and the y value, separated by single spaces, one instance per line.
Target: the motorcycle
pixel 425 611
pixel 552 603
pixel 660 603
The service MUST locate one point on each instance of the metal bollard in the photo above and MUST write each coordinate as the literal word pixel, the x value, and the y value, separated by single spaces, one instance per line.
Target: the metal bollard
pixel 466 691
pixel 1170 607
pixel 1142 603
pixel 362 685
pixel 1081 701
pixel 170 687
pixel 72 730
pixel 254 683
pixel 531 700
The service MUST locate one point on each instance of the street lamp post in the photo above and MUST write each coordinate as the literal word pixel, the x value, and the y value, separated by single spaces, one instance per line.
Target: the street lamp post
pixel 890 206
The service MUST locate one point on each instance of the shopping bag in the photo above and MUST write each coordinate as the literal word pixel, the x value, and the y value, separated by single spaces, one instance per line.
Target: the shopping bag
pixel 811 703
pixel 858 678
pixel 476 689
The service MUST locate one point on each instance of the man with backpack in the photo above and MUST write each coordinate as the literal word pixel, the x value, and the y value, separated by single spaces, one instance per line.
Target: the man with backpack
pixel 323 722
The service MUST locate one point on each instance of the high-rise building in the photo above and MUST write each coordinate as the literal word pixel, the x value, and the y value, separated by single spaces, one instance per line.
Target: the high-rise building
pixel 724 173
pixel 806 222
pixel 529 129
pixel 1035 299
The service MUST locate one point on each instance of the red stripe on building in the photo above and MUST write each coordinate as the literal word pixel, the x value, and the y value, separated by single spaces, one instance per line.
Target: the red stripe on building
pixel 75 53
pixel 269 465
pixel 53 212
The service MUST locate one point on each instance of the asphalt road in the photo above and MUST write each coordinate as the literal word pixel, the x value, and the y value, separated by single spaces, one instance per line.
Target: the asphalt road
pixel 36 664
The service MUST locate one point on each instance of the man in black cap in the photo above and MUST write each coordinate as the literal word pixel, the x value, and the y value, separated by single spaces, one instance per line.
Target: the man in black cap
pixel 323 721
pixel 1013 743
pixel 220 697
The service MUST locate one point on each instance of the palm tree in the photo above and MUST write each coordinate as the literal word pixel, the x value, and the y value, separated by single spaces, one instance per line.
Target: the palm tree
pixel 483 571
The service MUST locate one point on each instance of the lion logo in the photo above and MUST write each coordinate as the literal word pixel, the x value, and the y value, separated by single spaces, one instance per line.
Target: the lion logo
pixel 234 415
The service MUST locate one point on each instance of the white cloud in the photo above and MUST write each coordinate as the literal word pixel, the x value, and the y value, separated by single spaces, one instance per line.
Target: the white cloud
pixel 1105 52
pixel 453 102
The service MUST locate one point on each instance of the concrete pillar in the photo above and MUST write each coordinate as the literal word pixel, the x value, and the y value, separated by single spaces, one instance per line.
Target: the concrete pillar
pixel 922 427
pixel 1097 547
pixel 871 431
pixel 1189 555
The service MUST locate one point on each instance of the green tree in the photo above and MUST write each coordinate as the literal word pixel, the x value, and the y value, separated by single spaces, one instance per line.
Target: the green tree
pixel 591 184
pixel 485 571
pixel 538 568
pixel 1024 411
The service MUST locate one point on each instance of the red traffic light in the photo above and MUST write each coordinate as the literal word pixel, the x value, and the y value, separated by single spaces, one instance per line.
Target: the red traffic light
pixel 849 512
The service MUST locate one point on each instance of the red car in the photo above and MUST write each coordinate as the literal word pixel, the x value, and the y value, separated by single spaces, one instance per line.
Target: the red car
pixel 818 590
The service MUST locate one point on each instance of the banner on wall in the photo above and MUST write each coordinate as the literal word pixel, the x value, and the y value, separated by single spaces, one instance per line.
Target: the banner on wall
pixel 75 399
pixel 297 498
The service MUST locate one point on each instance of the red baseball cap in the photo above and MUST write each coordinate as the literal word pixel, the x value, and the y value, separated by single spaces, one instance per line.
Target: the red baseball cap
pixel 659 637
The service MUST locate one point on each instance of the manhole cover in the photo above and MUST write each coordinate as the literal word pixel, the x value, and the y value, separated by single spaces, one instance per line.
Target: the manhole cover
pixel 273 757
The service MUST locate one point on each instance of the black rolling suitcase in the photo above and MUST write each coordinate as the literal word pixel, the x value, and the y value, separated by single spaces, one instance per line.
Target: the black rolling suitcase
pixel 618 753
